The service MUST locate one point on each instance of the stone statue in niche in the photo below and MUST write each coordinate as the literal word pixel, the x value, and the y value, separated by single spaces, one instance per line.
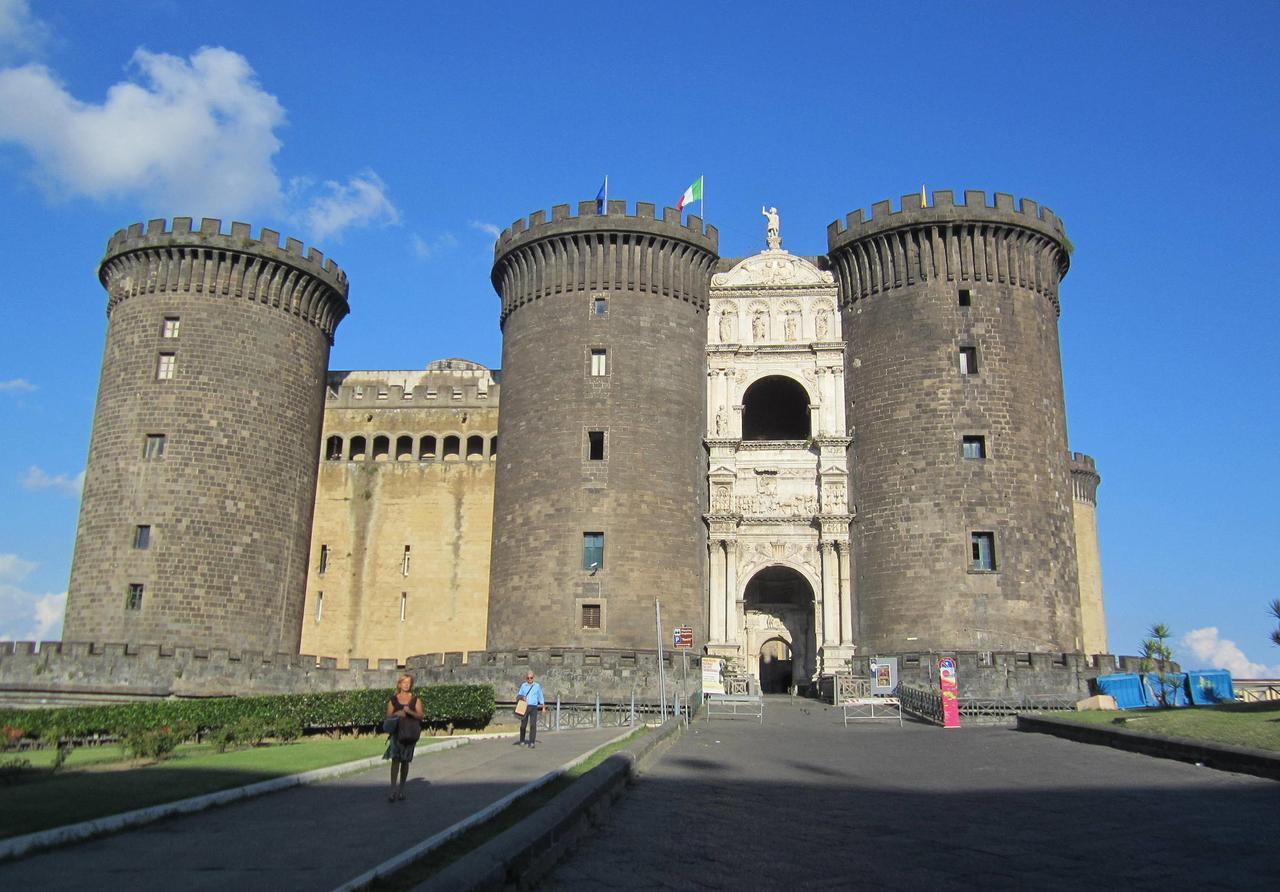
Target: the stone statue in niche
pixel 757 327
pixel 822 325
pixel 789 326
pixel 835 498
pixel 727 326
pixel 772 238
pixel 720 499
pixel 720 423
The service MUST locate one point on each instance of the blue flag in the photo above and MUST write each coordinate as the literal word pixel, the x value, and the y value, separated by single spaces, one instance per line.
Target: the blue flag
pixel 602 197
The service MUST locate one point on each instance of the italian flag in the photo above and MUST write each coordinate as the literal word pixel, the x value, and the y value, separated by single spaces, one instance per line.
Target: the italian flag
pixel 692 194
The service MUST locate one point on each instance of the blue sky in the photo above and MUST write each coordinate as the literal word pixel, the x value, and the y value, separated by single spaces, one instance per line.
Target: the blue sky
pixel 396 137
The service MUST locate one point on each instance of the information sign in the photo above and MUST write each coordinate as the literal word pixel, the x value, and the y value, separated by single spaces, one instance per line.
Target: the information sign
pixel 712 675
pixel 683 636
pixel 884 676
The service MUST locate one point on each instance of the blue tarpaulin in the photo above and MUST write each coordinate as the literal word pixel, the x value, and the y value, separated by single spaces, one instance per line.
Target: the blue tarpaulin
pixel 1174 684
pixel 1210 686
pixel 1127 688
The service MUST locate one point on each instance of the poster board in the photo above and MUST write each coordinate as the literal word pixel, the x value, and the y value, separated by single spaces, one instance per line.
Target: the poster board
pixel 712 675
pixel 884 676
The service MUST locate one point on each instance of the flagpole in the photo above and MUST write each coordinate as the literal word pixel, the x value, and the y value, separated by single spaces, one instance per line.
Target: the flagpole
pixel 703 199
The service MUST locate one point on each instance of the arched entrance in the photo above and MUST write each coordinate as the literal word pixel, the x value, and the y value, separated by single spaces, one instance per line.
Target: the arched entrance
pixel 775 408
pixel 778 616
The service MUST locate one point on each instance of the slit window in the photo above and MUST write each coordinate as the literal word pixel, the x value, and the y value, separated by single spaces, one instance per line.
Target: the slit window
pixel 169 328
pixel 964 297
pixel 404 562
pixel 595 445
pixel 974 447
pixel 968 360
pixel 142 537
pixel 166 366
pixel 133 596
pixel 592 551
pixel 153 446
pixel 590 616
pixel 404 604
pixel 599 362
pixel 982 548
pixel 324 559
pixel 319 606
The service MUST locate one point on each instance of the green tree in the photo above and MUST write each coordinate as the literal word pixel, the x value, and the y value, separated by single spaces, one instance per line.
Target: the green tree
pixel 1156 656
pixel 1275 612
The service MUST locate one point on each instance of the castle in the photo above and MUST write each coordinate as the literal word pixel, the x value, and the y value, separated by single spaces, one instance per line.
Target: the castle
pixel 806 459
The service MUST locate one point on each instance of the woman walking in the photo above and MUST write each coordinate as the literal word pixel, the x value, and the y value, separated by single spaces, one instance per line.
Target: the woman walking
pixel 404 707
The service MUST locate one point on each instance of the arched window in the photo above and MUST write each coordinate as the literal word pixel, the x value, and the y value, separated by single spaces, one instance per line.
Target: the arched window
pixel 493 447
pixel 451 447
pixel 775 408
pixel 427 448
pixel 357 447
pixel 404 448
pixel 381 448
pixel 475 446
pixel 333 448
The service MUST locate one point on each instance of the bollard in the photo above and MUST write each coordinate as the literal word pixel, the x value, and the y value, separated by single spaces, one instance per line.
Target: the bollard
pixel 557 712
pixel 597 709
pixel 632 718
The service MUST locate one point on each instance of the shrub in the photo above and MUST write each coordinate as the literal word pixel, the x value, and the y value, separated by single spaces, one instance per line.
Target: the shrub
pixel 14 770
pixel 156 743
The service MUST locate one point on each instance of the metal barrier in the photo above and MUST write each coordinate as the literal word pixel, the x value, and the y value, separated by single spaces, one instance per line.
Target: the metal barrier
pixel 927 705
pixel 1256 690
pixel 567 716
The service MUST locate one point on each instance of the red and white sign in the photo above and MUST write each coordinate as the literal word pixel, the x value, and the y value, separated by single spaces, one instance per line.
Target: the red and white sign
pixel 683 637
pixel 950 693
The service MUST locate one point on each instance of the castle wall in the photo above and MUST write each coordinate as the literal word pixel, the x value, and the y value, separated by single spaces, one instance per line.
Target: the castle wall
pixel 364 600
pixel 919 500
pixel 646 494
pixel 228 502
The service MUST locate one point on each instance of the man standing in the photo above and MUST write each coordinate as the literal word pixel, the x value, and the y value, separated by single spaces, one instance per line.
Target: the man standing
pixel 531 694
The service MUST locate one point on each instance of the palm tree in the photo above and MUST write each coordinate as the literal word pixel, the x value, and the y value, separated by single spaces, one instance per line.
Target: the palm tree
pixel 1155 654
pixel 1275 611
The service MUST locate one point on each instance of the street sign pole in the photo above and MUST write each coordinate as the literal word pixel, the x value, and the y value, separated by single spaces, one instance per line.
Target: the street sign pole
pixel 662 678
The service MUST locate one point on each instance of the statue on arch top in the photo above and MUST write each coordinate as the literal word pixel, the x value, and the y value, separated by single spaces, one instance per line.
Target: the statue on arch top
pixel 772 238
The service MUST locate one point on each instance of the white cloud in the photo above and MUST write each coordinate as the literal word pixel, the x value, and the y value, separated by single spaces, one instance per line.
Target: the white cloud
pixel 16 385
pixel 14 568
pixel 488 228
pixel 196 135
pixel 1222 653
pixel 360 201
pixel 425 250
pixel 28 616
pixel 21 33
pixel 36 478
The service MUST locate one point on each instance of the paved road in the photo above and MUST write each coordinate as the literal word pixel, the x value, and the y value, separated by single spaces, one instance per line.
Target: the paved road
pixel 312 837
pixel 804 803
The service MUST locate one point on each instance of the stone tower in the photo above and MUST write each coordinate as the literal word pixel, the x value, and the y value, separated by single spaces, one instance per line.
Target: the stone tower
pixel 601 459
pixel 1085 480
pixel 196 515
pixel 963 494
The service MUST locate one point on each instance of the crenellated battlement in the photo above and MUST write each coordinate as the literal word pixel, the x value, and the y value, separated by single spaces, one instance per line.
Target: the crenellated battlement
pixel 1020 244
pixel 181 258
pixel 1084 478
pixel 645 219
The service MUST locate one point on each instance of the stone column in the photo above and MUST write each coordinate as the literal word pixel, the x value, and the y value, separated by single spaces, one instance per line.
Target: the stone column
pixel 715 632
pixel 846 593
pixel 831 601
pixel 731 590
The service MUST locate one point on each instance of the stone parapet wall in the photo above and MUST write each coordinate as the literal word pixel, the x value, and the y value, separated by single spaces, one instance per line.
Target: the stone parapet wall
pixel 1008 675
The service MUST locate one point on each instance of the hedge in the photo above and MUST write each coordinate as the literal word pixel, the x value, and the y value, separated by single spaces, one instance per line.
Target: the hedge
pixel 446 706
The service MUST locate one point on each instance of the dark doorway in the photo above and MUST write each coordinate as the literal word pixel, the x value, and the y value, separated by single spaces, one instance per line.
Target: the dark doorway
pixel 775 667
pixel 775 408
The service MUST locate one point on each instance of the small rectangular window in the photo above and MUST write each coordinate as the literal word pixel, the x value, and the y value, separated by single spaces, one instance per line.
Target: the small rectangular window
pixel 982 551
pixel 166 366
pixel 383 393
pixel 153 446
pixel 404 562
pixel 142 537
pixel 592 551
pixel 170 327
pixel 404 604
pixel 324 559
pixel 974 447
pixel 319 606
pixel 595 445
pixel 599 306
pixel 599 362
pixel 133 598
pixel 968 360
pixel 457 393
pixel 965 297
pixel 358 392
pixel 590 616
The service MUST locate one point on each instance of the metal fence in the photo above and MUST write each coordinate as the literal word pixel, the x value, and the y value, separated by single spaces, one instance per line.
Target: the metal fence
pixel 927 705
pixel 569 715
pixel 1256 690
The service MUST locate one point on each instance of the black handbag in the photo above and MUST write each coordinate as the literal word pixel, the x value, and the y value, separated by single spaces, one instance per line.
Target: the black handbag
pixel 390 724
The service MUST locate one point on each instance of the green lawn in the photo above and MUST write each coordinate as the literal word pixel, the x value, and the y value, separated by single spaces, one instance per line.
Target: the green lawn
pixel 1233 724
pixel 97 789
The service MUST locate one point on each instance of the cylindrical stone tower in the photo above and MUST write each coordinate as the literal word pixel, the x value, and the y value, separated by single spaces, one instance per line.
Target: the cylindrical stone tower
pixel 196 515
pixel 964 537
pixel 600 484
pixel 1085 480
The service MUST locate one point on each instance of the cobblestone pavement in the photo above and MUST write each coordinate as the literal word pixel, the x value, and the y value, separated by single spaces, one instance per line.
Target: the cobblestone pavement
pixel 311 837
pixel 803 802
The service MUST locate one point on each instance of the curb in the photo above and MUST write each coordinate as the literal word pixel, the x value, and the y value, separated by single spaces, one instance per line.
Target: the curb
pixel 523 854
pixel 410 855
pixel 1213 755
pixel 17 846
